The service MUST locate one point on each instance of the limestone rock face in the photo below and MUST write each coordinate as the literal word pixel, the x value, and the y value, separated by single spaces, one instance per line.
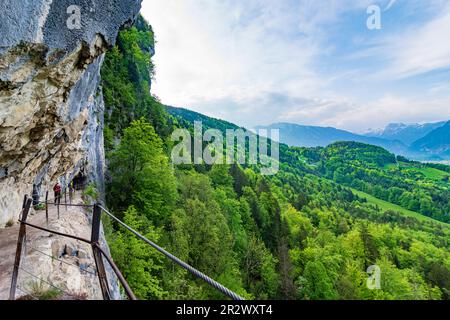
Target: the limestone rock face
pixel 51 107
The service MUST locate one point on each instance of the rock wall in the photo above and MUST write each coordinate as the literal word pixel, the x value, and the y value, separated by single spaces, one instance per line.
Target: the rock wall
pixel 51 107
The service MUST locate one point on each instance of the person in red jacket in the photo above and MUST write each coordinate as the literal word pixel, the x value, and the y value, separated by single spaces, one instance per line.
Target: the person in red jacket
pixel 57 190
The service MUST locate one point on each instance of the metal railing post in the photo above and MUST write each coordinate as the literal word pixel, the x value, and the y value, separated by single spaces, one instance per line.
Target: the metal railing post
pixel 20 241
pixel 25 198
pixel 46 206
pixel 95 237
pixel 58 202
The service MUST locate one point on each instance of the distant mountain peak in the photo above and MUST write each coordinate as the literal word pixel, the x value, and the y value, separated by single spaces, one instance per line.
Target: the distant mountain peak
pixel 316 136
pixel 406 132
pixel 437 142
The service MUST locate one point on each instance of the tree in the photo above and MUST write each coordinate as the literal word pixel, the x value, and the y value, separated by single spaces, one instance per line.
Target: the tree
pixel 440 277
pixel 239 178
pixel 140 264
pixel 140 175
pixel 370 248
pixel 259 272
pixel 318 284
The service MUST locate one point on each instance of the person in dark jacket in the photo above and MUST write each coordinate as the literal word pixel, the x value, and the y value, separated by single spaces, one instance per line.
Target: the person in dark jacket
pixel 57 191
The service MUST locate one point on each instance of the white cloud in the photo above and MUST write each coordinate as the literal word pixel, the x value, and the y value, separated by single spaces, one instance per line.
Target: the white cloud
pixel 388 108
pixel 419 49
pixel 257 62
pixel 212 50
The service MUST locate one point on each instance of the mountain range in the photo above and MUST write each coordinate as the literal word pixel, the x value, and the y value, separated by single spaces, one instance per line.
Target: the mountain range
pixel 313 136
pixel 406 133
pixel 430 141
pixel 437 142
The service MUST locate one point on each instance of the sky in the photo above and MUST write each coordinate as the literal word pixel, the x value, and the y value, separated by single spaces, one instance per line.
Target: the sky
pixel 258 62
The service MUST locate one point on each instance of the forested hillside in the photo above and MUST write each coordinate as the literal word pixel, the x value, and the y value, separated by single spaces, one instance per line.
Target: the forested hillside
pixel 314 136
pixel 300 234
pixel 412 185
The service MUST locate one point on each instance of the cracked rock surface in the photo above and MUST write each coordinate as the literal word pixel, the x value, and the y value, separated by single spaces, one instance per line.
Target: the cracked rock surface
pixel 51 106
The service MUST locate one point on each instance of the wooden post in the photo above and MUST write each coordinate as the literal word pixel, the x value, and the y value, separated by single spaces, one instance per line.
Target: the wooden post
pixel 95 237
pixel 46 206
pixel 20 242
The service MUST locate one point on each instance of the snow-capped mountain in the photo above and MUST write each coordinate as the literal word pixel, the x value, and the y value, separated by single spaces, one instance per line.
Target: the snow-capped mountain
pixel 406 133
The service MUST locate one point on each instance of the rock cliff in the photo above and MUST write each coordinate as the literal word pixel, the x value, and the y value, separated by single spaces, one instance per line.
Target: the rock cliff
pixel 51 106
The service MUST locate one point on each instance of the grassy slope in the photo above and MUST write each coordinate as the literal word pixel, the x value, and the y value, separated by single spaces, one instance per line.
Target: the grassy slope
pixel 432 173
pixel 384 205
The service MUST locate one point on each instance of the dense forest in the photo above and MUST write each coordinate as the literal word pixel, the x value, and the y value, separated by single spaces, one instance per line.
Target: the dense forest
pixel 308 232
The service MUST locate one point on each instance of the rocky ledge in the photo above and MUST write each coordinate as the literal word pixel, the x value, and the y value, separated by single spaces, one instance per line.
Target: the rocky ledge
pixel 51 107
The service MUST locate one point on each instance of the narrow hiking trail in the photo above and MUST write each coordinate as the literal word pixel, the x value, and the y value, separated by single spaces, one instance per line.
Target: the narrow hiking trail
pixel 49 261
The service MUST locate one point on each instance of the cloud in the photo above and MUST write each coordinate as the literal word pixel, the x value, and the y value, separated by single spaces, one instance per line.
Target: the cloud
pixel 305 61
pixel 390 108
pixel 417 49
pixel 211 50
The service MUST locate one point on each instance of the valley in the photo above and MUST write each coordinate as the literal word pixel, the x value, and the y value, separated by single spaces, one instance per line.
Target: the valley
pixel 425 142
pixel 338 205
pixel 329 213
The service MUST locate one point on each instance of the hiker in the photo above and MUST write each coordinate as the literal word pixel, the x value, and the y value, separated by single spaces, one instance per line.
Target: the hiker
pixel 57 190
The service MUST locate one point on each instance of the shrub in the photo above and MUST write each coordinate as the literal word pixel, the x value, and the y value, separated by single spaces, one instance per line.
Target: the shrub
pixel 90 193
pixel 40 206
pixel 39 291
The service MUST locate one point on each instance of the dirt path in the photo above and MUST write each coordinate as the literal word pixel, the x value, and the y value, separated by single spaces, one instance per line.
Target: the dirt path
pixel 73 220
pixel 8 244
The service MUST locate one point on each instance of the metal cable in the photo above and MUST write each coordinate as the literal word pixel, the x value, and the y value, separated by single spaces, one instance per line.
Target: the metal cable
pixel 183 264
pixel 60 260
pixel 50 202
pixel 27 293
pixel 47 282
pixel 56 232
pixel 26 246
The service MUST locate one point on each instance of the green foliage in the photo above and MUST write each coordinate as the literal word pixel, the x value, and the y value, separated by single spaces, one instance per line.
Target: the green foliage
pixel 40 206
pixel 127 74
pixel 308 232
pixel 139 262
pixel 141 175
pixel 38 290
pixel 259 270
pixel 373 170
pixel 91 193
pixel 319 285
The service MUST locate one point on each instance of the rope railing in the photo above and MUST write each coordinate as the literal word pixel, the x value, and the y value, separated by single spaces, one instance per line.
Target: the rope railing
pixel 65 204
pixel 178 261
